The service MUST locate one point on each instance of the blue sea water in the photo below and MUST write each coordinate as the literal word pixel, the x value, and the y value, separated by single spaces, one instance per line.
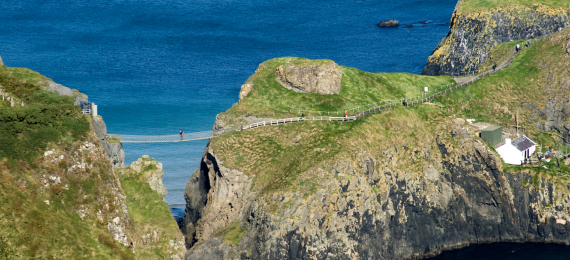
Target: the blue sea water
pixel 161 66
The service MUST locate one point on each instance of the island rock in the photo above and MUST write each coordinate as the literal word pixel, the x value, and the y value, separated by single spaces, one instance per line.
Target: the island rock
pixel 389 23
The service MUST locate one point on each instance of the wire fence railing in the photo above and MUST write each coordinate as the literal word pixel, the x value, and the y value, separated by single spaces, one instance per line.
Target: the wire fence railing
pixel 312 115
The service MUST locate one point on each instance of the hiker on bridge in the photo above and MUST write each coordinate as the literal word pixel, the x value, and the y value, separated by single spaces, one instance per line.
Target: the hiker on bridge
pixel 346 113
pixel 405 102
pixel 181 135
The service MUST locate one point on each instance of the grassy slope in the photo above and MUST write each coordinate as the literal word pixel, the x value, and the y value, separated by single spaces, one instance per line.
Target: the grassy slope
pixel 467 5
pixel 148 212
pixel 281 157
pixel 358 88
pixel 536 75
pixel 30 228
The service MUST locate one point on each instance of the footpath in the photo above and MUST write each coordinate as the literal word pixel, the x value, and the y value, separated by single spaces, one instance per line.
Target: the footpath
pixel 461 82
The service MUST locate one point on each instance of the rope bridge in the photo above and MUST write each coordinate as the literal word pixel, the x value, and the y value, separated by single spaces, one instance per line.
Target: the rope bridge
pixel 165 138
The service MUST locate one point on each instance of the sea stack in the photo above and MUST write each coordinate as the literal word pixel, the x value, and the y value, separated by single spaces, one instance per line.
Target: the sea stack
pixel 389 23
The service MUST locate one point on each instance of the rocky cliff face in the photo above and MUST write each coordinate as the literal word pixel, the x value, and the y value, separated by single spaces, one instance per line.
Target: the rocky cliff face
pixel 114 150
pixel 320 76
pixel 378 206
pixel 474 32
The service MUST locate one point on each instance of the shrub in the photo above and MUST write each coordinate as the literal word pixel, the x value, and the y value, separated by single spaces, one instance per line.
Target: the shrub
pixel 25 131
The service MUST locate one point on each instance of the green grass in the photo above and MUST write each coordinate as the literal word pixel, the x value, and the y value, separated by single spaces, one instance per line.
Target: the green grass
pixel 25 131
pixel 147 212
pixel 358 88
pixel 232 233
pixel 467 5
pixel 282 157
pixel 30 228
pixel 279 163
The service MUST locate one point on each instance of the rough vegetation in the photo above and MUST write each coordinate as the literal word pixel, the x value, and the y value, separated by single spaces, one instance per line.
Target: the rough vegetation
pixel 153 231
pixel 60 197
pixel 266 98
pixel 402 183
pixel 478 26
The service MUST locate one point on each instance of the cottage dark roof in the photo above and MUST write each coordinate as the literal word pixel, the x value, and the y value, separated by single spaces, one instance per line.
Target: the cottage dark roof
pixel 522 143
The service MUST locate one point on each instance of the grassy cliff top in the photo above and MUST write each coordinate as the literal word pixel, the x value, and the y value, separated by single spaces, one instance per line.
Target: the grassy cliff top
pixel 467 5
pixel 269 99
pixel 282 157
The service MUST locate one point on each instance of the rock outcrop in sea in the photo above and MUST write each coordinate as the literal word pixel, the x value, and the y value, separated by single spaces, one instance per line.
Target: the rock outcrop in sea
pixel 389 23
pixel 474 32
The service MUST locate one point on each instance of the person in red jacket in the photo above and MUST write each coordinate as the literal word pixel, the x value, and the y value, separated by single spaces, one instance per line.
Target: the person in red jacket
pixel 345 113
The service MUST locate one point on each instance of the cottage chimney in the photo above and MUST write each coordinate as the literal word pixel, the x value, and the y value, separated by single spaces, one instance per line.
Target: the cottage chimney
pixel 507 140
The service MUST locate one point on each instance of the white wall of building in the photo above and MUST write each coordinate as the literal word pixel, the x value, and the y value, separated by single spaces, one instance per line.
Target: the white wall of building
pixel 511 154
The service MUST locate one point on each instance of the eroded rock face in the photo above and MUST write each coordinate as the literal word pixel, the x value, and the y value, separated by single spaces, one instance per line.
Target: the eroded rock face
pixel 215 197
pixel 151 171
pixel 245 89
pixel 474 33
pixel 370 206
pixel 321 77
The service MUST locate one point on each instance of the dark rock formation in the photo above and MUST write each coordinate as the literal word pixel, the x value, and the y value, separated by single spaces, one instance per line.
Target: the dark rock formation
pixel 389 23
pixel 374 210
pixel 474 33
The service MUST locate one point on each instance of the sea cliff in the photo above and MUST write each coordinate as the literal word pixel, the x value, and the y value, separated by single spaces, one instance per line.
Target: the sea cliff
pixel 474 31
pixel 408 182
pixel 63 195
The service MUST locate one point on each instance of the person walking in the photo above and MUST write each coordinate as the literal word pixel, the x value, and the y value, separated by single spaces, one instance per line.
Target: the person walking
pixel 346 113
pixel 405 102
pixel 528 43
pixel 518 48
pixel 181 135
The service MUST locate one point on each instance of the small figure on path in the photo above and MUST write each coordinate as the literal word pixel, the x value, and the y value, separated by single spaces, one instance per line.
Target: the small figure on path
pixel 181 135
pixel 518 48
pixel 495 67
pixel 303 116
pixel 405 102
pixel 346 113
pixel 528 43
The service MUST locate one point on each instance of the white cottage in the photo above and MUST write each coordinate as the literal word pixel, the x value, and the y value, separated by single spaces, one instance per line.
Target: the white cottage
pixel 517 151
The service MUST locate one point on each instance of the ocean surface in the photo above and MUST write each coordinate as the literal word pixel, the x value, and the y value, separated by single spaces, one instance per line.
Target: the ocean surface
pixel 161 66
